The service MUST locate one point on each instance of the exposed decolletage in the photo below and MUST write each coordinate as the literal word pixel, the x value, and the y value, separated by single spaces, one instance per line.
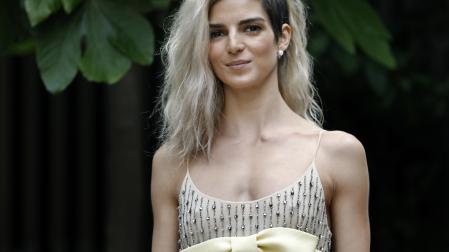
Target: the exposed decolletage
pixel 300 205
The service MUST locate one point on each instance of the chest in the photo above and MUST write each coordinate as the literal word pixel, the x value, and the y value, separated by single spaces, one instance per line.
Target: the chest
pixel 300 205
pixel 236 173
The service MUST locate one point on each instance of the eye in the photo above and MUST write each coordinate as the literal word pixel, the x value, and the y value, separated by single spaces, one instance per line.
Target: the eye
pixel 216 34
pixel 253 28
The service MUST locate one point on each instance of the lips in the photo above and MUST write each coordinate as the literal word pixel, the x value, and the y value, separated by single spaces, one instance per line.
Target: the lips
pixel 238 63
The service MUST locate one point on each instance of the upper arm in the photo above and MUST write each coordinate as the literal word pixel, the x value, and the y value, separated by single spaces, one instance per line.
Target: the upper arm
pixel 349 206
pixel 164 203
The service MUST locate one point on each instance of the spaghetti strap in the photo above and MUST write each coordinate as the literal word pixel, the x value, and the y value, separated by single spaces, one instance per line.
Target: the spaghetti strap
pixel 187 169
pixel 318 145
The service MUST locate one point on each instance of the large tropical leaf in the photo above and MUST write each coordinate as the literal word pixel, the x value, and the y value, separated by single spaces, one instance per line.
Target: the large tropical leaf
pixel 352 22
pixel 101 38
pixel 39 10
pixel 115 35
pixel 133 35
pixel 368 31
pixel 329 18
pixel 364 17
pixel 101 61
pixel 70 5
pixel 58 53
pixel 378 49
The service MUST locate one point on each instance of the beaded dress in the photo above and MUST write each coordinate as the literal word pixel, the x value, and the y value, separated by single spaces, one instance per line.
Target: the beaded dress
pixel 300 205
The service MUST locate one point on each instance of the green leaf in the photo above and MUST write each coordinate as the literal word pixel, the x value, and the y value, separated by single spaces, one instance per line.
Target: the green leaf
pixel 352 22
pixel 378 49
pixel 58 53
pixel 39 10
pixel 329 18
pixel 367 30
pixel 101 61
pixel 134 35
pixel 364 17
pixel 70 5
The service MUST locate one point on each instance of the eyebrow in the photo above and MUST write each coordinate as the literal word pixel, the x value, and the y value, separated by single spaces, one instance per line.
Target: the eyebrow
pixel 242 22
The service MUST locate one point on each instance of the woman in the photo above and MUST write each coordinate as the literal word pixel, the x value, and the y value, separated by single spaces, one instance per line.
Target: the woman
pixel 245 165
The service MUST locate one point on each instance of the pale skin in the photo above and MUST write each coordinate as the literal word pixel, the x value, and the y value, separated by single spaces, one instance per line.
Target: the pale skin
pixel 262 145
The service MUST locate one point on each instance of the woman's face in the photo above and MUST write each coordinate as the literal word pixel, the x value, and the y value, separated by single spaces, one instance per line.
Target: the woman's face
pixel 242 49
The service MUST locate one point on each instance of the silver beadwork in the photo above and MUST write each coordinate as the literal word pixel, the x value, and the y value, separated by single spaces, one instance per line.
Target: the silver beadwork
pixel 309 214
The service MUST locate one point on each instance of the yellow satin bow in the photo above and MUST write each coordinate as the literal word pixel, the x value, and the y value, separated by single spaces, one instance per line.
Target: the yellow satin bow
pixel 276 239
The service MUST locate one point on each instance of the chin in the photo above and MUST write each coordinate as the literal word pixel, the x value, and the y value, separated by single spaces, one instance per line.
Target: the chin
pixel 241 83
pixel 248 80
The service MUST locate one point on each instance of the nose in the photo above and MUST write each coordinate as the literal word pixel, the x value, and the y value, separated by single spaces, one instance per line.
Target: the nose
pixel 235 43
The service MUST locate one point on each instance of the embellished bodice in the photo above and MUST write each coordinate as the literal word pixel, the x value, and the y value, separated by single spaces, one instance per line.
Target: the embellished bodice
pixel 300 205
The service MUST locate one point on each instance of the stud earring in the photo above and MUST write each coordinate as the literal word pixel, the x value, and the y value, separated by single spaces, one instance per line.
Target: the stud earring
pixel 280 54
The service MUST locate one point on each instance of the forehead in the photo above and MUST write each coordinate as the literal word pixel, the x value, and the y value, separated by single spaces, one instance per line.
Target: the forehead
pixel 232 11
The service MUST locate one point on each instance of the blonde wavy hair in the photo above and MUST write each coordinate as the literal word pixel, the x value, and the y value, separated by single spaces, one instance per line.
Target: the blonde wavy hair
pixel 192 98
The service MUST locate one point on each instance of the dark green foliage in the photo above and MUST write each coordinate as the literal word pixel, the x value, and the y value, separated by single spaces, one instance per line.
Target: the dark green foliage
pixel 354 22
pixel 71 172
pixel 402 118
pixel 102 38
pixel 59 53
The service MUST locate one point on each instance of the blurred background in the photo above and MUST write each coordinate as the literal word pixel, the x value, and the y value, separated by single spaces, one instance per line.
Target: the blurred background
pixel 79 80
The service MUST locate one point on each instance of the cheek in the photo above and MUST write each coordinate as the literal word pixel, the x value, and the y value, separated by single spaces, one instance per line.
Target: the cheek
pixel 264 49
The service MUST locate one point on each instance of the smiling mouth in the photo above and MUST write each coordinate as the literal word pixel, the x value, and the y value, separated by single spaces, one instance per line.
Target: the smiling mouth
pixel 238 63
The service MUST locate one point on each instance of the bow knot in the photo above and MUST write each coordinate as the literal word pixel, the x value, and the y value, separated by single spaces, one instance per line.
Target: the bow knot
pixel 244 244
pixel 277 239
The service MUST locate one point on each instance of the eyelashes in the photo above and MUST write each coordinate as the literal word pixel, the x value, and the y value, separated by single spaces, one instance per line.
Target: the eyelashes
pixel 216 34
pixel 251 29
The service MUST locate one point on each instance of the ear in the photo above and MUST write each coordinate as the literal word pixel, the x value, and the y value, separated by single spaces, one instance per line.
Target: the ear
pixel 284 39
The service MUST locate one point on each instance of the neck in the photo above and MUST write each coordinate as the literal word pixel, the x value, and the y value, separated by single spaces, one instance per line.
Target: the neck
pixel 251 114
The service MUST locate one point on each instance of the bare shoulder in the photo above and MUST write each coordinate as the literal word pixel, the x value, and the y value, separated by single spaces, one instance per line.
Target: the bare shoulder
pixel 344 156
pixel 163 156
pixel 164 199
pixel 345 162
pixel 342 145
pixel 166 173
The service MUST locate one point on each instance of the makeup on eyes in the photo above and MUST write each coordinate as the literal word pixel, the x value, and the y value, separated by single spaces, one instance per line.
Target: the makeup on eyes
pixel 255 24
